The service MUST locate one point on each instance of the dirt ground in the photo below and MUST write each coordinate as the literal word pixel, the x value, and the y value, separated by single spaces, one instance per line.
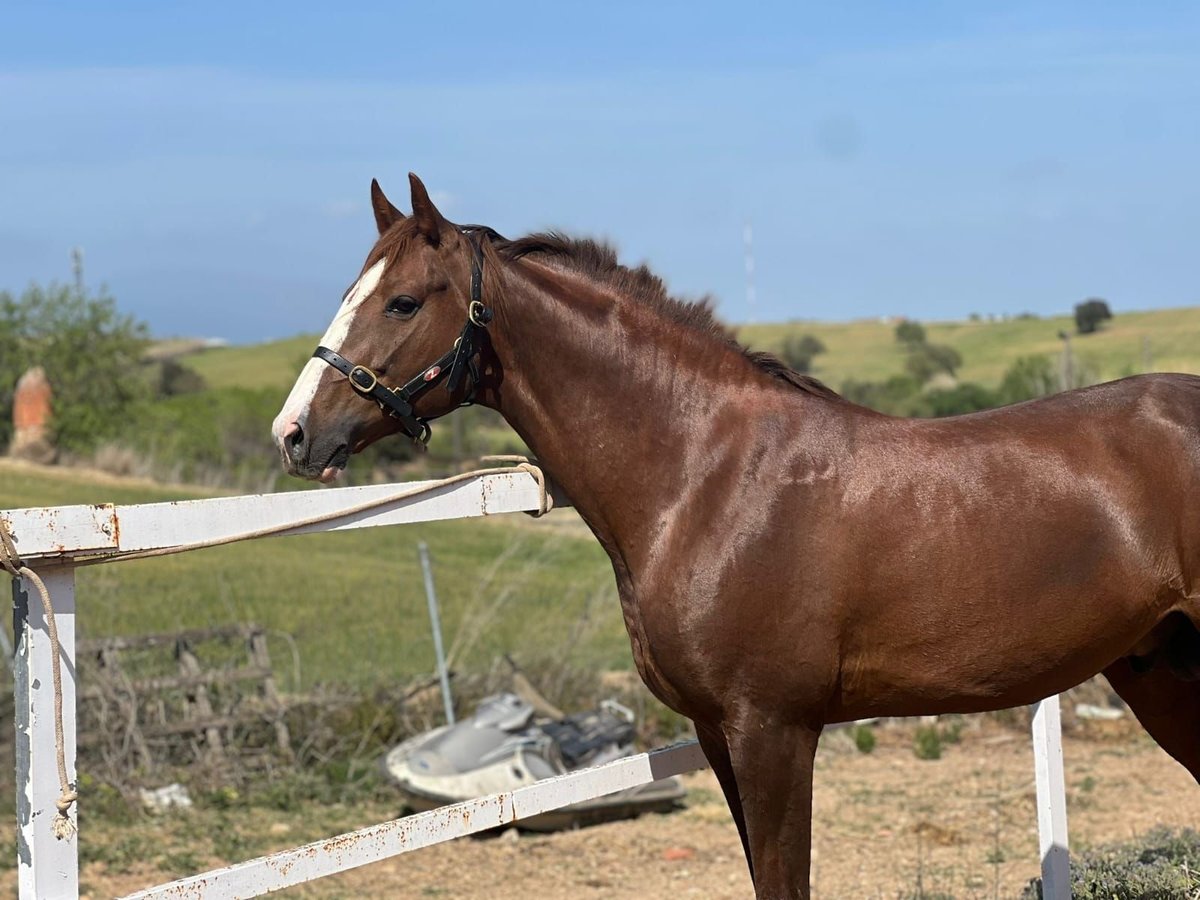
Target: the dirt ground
pixel 886 826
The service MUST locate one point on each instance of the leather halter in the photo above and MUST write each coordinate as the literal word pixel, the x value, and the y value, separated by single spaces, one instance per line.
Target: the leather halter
pixel 452 366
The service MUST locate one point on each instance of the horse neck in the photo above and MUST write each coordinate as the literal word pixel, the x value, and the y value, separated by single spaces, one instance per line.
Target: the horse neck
pixel 617 402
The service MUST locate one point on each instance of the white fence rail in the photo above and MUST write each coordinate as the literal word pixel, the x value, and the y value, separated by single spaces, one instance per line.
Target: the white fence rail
pixel 51 540
pixel 368 845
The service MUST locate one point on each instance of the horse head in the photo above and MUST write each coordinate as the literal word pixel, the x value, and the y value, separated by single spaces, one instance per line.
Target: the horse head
pixel 402 348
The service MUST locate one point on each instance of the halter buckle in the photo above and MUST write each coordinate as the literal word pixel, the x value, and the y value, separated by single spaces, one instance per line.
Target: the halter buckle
pixel 357 385
pixel 479 314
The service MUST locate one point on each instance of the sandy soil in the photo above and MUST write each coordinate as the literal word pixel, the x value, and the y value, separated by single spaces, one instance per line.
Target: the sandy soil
pixel 962 826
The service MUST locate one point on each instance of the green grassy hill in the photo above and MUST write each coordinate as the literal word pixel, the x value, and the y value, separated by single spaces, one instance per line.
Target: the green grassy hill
pixel 863 350
pixel 275 363
pixel 867 349
pixel 354 601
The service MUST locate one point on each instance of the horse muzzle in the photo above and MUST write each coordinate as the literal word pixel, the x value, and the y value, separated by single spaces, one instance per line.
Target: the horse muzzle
pixel 316 460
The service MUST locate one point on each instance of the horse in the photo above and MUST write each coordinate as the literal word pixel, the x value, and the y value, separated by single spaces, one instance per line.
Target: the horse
pixel 785 559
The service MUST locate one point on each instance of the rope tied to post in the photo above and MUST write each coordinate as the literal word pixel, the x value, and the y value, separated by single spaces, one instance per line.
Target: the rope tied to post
pixel 525 464
pixel 63 825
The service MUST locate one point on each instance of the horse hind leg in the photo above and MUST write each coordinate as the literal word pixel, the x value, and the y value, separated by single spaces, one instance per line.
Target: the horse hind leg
pixel 1181 650
pixel 1167 705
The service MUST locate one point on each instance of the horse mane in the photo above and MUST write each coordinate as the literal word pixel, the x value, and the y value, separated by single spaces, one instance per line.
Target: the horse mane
pixel 598 260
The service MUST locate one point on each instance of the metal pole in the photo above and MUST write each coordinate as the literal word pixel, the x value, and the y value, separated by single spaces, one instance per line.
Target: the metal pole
pixel 1068 364
pixel 435 625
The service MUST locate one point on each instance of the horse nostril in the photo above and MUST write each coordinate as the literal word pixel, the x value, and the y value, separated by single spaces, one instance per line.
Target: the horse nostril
pixel 295 440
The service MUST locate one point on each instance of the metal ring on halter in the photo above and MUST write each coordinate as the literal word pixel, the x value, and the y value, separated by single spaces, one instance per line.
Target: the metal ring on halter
pixel 361 388
pixel 477 313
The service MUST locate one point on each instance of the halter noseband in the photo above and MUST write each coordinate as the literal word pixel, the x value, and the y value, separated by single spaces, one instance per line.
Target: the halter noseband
pixel 451 367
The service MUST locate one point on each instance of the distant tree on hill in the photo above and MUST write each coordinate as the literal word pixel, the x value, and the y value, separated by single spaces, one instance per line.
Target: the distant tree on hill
pixel 926 360
pixel 1028 377
pixel 799 349
pixel 1090 314
pixel 175 378
pixel 910 332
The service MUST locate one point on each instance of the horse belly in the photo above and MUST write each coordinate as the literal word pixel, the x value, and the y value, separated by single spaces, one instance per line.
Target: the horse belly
pixel 1001 624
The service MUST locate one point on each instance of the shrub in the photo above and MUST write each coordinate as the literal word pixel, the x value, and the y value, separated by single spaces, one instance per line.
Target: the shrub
pixel 1028 377
pixel 1161 865
pixel 175 378
pixel 926 360
pixel 952 730
pixel 927 742
pixel 864 738
pixel 910 333
pixel 962 398
pixel 894 396
pixel 799 349
pixel 214 436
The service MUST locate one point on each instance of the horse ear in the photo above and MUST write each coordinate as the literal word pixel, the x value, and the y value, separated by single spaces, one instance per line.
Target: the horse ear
pixel 386 215
pixel 430 222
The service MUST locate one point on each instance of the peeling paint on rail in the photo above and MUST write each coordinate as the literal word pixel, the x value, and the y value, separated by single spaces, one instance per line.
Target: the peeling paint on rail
pixel 55 532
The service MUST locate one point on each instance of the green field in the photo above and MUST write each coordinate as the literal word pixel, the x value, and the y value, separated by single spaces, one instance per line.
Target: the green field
pixel 275 363
pixel 353 602
pixel 865 350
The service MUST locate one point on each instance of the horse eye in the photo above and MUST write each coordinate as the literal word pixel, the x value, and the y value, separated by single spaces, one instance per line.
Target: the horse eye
pixel 402 307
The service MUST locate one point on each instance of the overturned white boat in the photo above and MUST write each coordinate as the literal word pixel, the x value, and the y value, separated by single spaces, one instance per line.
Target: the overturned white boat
pixel 504 746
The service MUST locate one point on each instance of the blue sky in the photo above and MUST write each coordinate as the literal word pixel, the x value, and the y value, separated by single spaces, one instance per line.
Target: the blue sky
pixel 923 159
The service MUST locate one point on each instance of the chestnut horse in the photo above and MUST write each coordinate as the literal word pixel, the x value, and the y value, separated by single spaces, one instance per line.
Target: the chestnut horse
pixel 785 558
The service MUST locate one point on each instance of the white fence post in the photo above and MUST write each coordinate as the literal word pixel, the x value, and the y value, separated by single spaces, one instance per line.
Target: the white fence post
pixel 49 868
pixel 1051 800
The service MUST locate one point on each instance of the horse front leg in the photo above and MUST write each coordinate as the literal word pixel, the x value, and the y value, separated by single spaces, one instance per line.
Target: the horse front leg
pixel 772 764
pixel 716 751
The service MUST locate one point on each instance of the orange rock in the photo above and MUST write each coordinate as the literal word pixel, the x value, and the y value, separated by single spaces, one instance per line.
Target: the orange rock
pixel 676 854
pixel 32 409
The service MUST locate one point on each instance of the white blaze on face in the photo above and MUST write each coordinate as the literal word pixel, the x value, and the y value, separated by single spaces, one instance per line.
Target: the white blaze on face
pixel 296 405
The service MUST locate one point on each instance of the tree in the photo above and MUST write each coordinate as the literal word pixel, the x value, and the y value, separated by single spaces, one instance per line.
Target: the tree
pixel 910 333
pixel 926 360
pixel 91 354
pixel 175 378
pixel 1028 377
pixel 1090 313
pixel 799 349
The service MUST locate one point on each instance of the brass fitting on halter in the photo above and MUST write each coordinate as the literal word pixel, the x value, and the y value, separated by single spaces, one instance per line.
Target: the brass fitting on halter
pixel 479 314
pixel 359 382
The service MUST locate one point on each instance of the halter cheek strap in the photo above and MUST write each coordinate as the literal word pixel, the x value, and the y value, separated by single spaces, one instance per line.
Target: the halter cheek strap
pixel 452 366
